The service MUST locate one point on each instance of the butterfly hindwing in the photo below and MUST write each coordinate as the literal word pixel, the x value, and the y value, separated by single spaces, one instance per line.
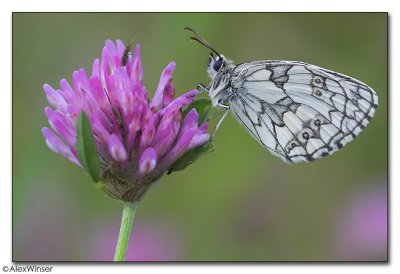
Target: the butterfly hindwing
pixel 300 112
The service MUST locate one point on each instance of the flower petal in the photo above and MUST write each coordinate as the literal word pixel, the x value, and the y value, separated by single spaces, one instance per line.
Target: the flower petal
pixel 134 124
pixel 148 161
pixel 181 146
pixel 98 129
pixel 165 80
pixel 96 68
pixel 112 53
pixel 148 129
pixel 124 90
pixel 169 93
pixel 58 146
pixel 120 47
pixel 199 140
pixel 68 92
pixel 55 98
pixel 137 68
pixel 60 125
pixel 167 130
pixel 189 122
pixel 117 149
pixel 181 101
pixel 97 90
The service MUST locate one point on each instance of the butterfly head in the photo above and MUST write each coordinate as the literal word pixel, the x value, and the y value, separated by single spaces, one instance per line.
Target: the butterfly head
pixel 217 64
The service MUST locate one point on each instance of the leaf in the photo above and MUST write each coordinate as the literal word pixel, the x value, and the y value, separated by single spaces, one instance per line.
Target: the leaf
pixel 203 107
pixel 192 155
pixel 86 147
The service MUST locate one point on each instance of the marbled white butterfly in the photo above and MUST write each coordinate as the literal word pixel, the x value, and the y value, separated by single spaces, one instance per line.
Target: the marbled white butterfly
pixel 300 112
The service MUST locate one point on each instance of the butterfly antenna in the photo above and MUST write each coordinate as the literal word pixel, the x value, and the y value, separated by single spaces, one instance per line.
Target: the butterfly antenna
pixel 201 40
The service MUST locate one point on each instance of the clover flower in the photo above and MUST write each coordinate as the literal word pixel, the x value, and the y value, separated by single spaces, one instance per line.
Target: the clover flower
pixel 136 140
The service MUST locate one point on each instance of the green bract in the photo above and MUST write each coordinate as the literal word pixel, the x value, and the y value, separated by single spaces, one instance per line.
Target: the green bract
pixel 189 157
pixel 203 107
pixel 86 147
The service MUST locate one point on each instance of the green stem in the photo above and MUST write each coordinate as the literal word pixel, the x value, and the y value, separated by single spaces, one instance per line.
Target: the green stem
pixel 125 231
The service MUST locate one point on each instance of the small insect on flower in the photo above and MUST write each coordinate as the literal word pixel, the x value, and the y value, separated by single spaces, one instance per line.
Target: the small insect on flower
pixel 299 112
pixel 125 55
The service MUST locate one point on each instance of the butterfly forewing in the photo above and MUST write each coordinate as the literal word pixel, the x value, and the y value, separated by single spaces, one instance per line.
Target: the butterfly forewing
pixel 300 112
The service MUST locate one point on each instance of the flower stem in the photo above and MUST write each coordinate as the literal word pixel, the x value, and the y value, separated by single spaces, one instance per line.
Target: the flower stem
pixel 125 231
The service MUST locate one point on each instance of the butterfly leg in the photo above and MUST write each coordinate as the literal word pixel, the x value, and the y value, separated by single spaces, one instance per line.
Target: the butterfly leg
pixel 220 122
pixel 223 106
pixel 201 87
pixel 216 114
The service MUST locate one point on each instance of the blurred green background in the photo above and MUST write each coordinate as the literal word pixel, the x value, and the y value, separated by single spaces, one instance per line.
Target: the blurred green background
pixel 239 203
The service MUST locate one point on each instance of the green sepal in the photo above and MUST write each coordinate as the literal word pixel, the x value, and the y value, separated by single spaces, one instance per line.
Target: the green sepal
pixel 86 147
pixel 192 155
pixel 203 107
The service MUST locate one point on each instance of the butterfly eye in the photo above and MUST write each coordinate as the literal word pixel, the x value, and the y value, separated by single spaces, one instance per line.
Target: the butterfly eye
pixel 217 65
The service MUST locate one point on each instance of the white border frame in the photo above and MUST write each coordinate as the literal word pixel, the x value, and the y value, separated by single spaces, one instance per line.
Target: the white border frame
pixel 390 6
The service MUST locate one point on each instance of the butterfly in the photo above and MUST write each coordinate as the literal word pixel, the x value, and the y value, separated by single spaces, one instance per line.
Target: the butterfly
pixel 298 111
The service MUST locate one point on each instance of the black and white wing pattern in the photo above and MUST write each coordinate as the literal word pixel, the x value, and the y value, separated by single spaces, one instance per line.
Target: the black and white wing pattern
pixel 300 112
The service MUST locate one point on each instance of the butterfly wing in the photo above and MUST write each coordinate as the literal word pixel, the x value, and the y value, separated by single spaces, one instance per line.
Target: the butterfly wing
pixel 300 112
